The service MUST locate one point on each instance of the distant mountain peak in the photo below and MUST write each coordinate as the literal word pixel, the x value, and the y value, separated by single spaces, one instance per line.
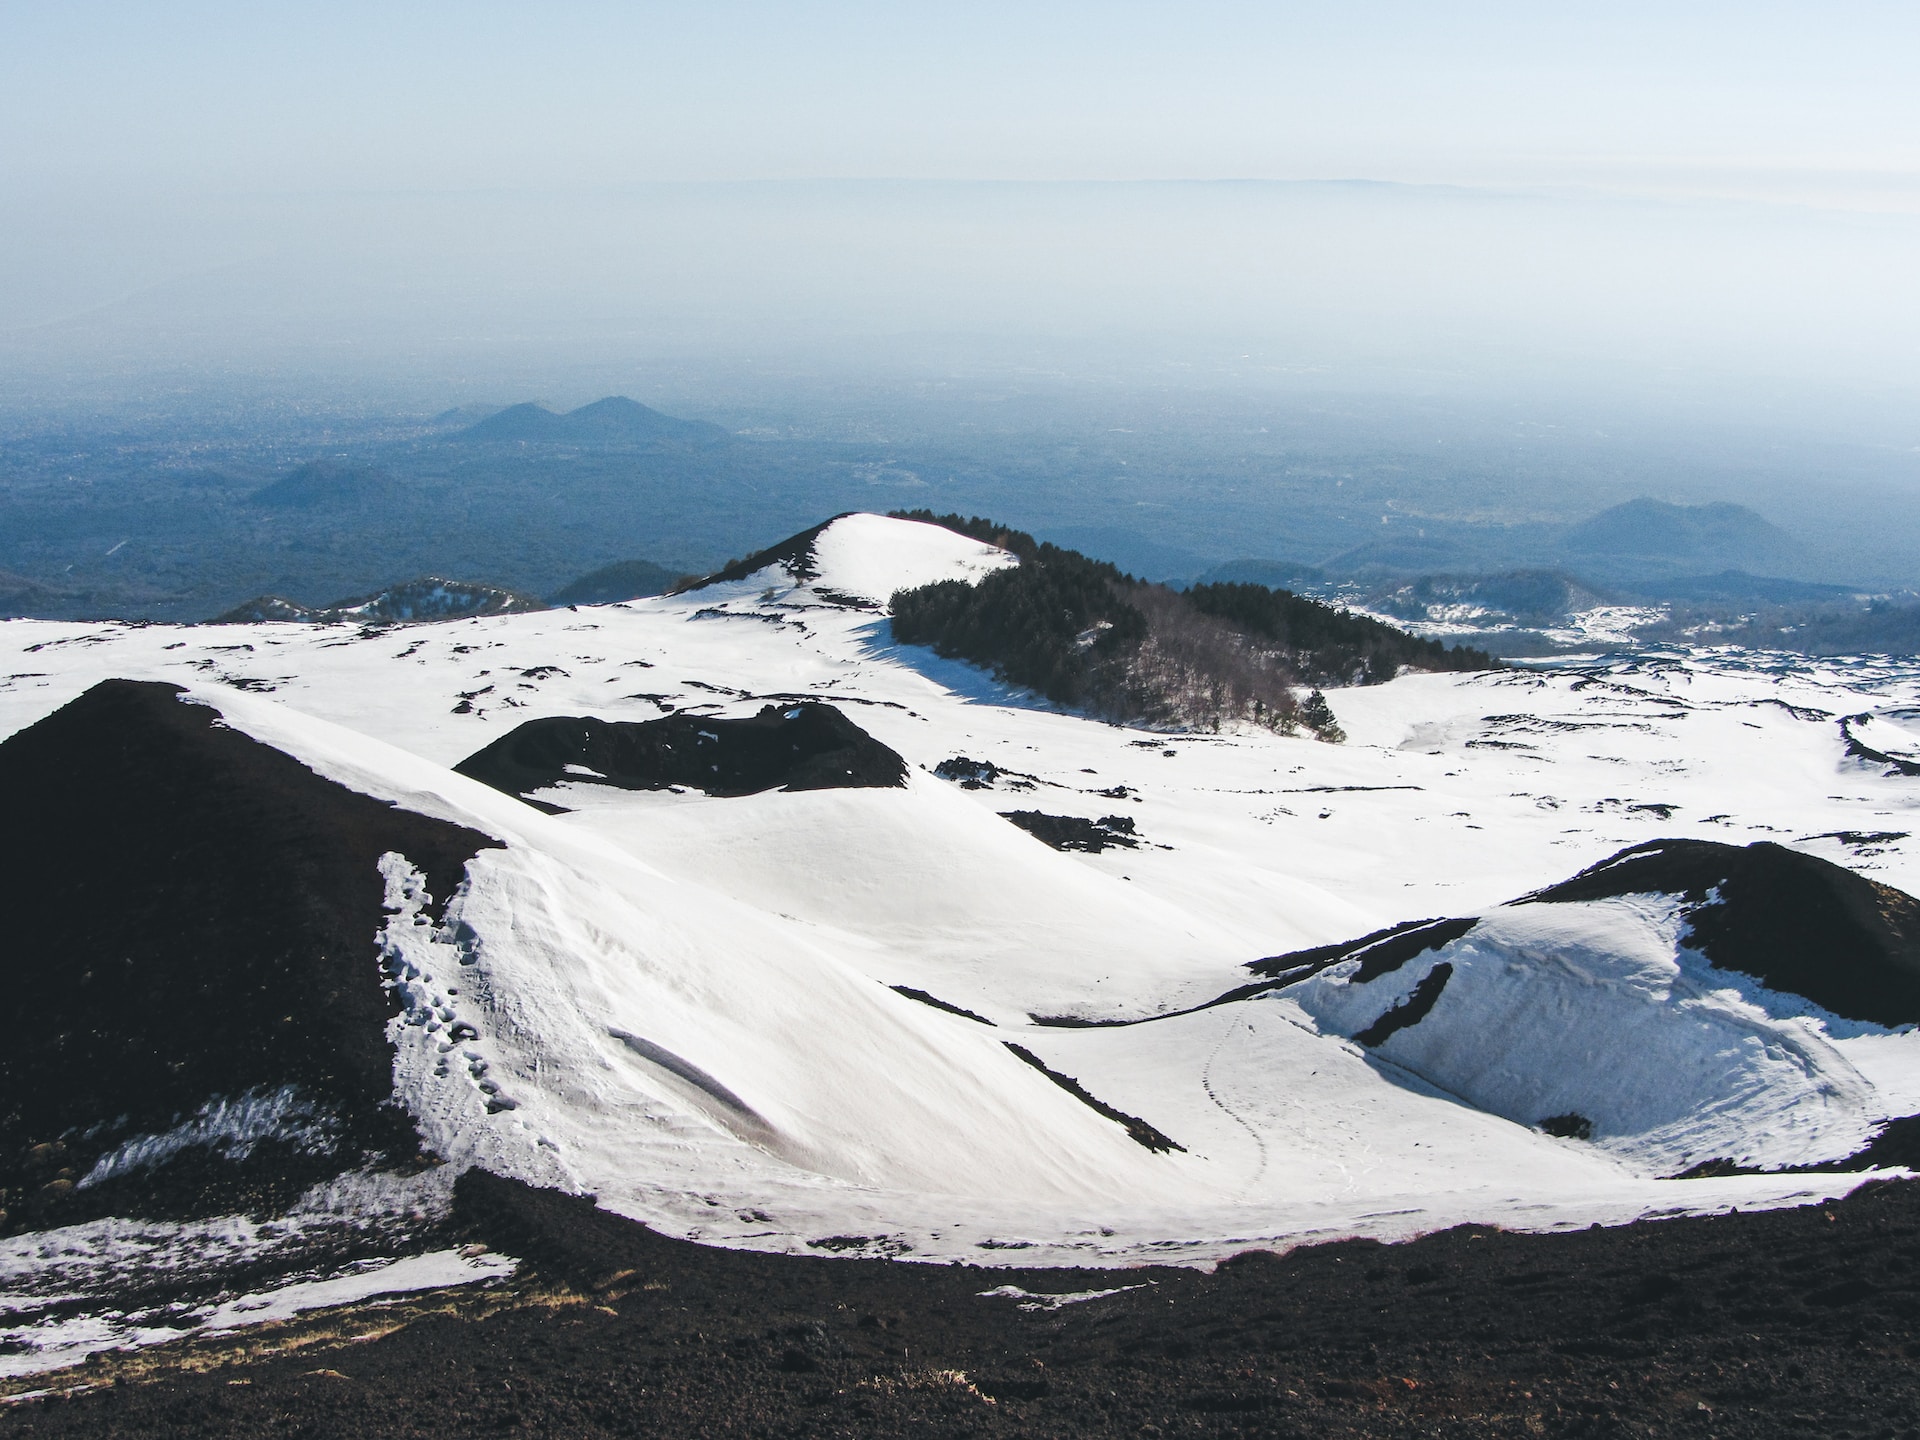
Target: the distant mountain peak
pixel 324 484
pixel 1645 526
pixel 615 420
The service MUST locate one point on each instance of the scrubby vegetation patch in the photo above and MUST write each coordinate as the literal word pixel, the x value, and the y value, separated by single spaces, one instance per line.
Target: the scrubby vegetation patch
pixel 1084 634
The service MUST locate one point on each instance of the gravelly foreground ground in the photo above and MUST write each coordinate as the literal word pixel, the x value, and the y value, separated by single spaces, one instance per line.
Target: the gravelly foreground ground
pixel 1791 1323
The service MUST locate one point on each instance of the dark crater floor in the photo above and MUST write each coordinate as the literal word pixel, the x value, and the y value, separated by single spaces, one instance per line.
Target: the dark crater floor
pixel 802 746
pixel 1786 1323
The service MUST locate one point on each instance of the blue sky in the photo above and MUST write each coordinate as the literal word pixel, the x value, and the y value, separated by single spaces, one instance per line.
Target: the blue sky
pixel 1801 101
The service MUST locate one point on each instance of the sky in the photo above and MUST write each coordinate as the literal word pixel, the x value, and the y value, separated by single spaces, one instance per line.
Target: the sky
pixel 1717 187
pixel 1790 99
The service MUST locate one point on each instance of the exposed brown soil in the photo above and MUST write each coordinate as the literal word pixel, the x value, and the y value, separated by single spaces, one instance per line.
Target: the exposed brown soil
pixel 1788 1323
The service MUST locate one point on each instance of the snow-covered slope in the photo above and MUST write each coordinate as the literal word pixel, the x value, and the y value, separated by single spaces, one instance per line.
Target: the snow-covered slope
pixel 1595 1019
pixel 870 557
pixel 860 560
pixel 831 1018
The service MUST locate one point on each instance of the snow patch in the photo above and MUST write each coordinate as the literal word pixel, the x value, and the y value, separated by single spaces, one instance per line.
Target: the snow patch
pixel 871 556
pixel 61 1340
pixel 230 1126
pixel 1042 1300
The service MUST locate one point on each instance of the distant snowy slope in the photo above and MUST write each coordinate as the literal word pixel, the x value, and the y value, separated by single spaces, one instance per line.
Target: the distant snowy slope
pixel 872 556
pixel 864 559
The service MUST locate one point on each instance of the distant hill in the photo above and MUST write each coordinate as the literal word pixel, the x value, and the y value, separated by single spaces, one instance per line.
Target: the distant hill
pixel 1654 530
pixel 1141 556
pixel 1738 587
pixel 20 594
pixel 1274 574
pixel 615 420
pixel 1406 554
pixel 1528 597
pixel 325 485
pixel 428 598
pixel 622 580
pixel 1883 628
pixel 263 608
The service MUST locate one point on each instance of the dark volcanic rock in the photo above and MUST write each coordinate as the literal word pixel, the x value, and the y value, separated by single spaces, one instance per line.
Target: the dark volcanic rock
pixel 1858 749
pixel 805 746
pixel 1075 832
pixel 1138 1130
pixel 1777 1325
pixel 1410 1011
pixel 1792 921
pixel 1379 953
pixel 192 919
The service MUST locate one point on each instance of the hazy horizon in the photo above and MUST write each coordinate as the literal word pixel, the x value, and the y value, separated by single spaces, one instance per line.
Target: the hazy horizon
pixel 412 204
pixel 1552 259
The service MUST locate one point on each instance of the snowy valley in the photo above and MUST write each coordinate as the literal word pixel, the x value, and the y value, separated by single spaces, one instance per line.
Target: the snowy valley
pixel 808 1000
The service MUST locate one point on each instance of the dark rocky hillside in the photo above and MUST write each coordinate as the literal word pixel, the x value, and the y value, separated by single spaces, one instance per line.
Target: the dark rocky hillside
pixel 428 598
pixel 1326 645
pixel 191 921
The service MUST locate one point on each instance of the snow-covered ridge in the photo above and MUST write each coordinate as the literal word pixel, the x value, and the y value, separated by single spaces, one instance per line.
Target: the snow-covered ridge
pixel 864 559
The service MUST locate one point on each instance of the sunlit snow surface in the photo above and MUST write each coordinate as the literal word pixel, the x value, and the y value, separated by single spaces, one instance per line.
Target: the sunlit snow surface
pixel 684 1005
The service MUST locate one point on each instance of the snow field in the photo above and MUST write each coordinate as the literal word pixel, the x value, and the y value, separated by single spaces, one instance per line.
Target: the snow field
pixel 687 1004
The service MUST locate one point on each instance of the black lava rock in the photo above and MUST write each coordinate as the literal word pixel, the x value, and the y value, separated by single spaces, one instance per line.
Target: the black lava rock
pixel 804 746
